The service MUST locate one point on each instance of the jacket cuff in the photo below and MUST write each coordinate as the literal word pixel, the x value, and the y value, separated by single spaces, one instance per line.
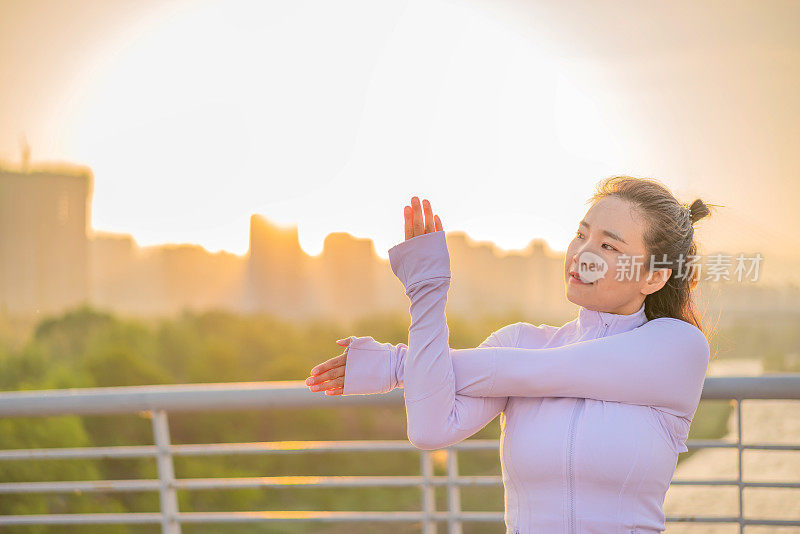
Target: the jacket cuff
pixel 368 367
pixel 420 258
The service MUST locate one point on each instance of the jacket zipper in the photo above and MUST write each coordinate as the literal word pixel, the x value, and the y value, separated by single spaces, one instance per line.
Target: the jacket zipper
pixel 571 451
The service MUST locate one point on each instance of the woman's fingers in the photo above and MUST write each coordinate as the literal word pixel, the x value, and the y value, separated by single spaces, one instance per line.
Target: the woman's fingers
pixel 419 218
pixel 330 384
pixel 334 391
pixel 419 223
pixel 336 361
pixel 327 375
pixel 409 217
pixel 426 206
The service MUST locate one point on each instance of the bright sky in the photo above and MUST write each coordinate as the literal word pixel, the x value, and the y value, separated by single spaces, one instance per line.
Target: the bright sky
pixel 331 115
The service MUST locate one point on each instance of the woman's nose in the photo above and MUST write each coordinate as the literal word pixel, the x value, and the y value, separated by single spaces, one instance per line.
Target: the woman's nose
pixel 583 248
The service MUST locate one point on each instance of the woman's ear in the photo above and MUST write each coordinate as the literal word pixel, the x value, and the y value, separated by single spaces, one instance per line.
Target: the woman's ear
pixel 656 280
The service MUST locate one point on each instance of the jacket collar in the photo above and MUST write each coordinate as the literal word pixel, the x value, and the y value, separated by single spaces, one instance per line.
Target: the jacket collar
pixel 609 323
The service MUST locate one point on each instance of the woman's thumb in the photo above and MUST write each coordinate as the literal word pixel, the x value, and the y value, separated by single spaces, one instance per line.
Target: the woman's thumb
pixel 343 341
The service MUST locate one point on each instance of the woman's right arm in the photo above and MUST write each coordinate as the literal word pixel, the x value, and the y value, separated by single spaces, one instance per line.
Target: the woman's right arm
pixel 373 367
pixel 367 366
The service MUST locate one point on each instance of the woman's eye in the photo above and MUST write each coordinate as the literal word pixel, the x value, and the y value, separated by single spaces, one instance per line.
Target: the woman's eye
pixel 579 235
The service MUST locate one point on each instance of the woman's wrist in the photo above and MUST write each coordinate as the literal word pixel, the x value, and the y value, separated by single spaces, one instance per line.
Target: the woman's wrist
pixel 420 258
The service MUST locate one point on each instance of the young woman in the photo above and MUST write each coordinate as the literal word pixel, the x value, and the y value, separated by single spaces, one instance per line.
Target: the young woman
pixel 593 413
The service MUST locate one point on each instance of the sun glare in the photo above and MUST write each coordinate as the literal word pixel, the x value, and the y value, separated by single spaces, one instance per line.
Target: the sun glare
pixel 303 115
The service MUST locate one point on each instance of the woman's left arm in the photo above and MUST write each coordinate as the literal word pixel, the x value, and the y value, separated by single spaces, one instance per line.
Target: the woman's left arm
pixel 661 363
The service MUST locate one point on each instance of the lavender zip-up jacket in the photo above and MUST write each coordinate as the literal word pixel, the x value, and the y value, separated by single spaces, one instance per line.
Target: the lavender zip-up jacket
pixel 593 413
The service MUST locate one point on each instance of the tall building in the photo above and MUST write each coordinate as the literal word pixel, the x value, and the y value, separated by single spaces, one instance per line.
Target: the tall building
pixel 351 279
pixel 43 244
pixel 277 271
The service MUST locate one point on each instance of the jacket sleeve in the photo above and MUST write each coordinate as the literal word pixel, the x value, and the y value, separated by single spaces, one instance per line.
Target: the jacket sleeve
pixel 437 417
pixel 661 363
pixel 374 367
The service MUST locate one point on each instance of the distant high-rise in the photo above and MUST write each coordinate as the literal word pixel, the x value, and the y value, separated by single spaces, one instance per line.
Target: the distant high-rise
pixel 277 271
pixel 351 277
pixel 43 243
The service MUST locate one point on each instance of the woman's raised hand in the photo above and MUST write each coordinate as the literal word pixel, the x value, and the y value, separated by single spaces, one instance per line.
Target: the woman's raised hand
pixel 415 225
pixel 329 375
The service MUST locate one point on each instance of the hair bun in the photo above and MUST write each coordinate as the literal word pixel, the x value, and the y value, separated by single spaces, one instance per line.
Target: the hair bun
pixel 697 210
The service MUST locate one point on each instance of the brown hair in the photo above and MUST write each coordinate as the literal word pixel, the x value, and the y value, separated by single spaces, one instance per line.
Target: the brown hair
pixel 669 242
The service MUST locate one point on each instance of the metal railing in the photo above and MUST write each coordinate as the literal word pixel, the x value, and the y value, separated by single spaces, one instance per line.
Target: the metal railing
pixel 161 400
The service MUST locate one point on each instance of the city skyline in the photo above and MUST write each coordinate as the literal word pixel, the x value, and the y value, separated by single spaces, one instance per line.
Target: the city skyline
pixel 25 166
pixel 50 261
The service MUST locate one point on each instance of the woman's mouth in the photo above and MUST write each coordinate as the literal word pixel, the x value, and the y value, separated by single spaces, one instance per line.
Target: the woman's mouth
pixel 574 278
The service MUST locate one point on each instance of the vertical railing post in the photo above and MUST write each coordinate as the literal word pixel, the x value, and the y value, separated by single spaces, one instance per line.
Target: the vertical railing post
pixel 428 496
pixel 166 475
pixel 740 449
pixel 453 494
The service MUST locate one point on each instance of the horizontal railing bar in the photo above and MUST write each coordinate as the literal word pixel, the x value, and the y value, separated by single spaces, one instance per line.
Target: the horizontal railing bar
pixel 733 519
pixel 770 447
pixel 199 449
pixel 283 482
pixel 769 386
pixel 710 443
pixel 202 517
pixel 79 486
pixel 734 482
pixel 771 484
pixel 239 517
pixel 271 447
pixel 331 482
pixel 319 446
pixel 126 451
pixel 277 482
pixel 293 393
pixel 277 447
pixel 179 398
pixel 247 517
pixel 475 445
pixel 709 482
pixel 724 444
pixel 81 519
pixel 771 522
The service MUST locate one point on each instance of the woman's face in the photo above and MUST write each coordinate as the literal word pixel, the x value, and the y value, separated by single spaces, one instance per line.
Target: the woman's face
pixel 608 253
